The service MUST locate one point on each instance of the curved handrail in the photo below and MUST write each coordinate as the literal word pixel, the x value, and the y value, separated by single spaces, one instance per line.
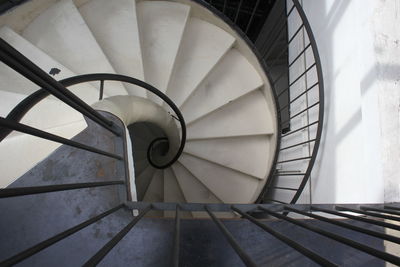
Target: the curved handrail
pixel 321 99
pixel 319 104
pixel 266 65
pixel 18 112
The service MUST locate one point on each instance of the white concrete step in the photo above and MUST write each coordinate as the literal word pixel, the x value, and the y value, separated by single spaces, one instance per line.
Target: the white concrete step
pixel 118 36
pixel 155 191
pixel 141 165
pixel 161 27
pixel 8 101
pixel 45 115
pixel 143 181
pixel 13 82
pixel 248 115
pixel 228 185
pixel 61 32
pixel 29 150
pixel 203 45
pixel 195 192
pixel 247 154
pixel 172 191
pixel 233 77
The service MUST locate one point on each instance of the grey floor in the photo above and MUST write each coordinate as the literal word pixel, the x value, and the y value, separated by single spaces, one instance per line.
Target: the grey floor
pixel 27 220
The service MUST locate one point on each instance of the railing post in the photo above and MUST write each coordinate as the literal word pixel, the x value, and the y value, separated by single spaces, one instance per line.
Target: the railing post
pixel 21 64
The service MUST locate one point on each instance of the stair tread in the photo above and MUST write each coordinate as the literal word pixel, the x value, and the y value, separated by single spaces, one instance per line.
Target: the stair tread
pixel 55 30
pixel 13 82
pixel 248 115
pixel 155 191
pixel 140 166
pixel 195 192
pixel 143 181
pixel 247 154
pixel 161 26
pixel 121 44
pixel 172 191
pixel 233 77
pixel 228 185
pixel 203 45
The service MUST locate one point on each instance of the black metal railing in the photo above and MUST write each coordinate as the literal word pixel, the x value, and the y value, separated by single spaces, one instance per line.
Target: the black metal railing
pixel 24 66
pixel 287 47
pixel 247 211
pixel 301 111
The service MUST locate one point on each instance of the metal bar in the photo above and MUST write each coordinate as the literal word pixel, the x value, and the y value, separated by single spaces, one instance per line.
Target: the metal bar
pixel 289 174
pixel 373 214
pixel 52 240
pixel 26 72
pixel 301 75
pixel 347 225
pixel 101 89
pixel 377 253
pixel 175 260
pixel 295 33
pixel 298 78
pixel 300 95
pixel 224 8
pixel 306 252
pixel 380 210
pixel 298 144
pixel 391 207
pixel 266 54
pixel 276 38
pixel 238 11
pixel 231 5
pixel 283 188
pixel 296 159
pixel 299 129
pixel 21 191
pixel 358 218
pixel 251 17
pixel 93 261
pixel 318 68
pixel 126 79
pixel 299 55
pixel 281 76
pixel 290 11
pixel 276 201
pixel 220 207
pixel 300 112
pixel 45 135
pixel 235 245
pixel 285 48
pixel 274 26
pixel 28 69
pixel 18 112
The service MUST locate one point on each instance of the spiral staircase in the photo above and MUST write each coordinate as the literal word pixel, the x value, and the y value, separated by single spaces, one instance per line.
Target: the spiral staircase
pixel 182 119
pixel 179 49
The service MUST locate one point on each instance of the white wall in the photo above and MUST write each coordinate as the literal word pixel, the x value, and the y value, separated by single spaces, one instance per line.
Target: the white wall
pixel 359 154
